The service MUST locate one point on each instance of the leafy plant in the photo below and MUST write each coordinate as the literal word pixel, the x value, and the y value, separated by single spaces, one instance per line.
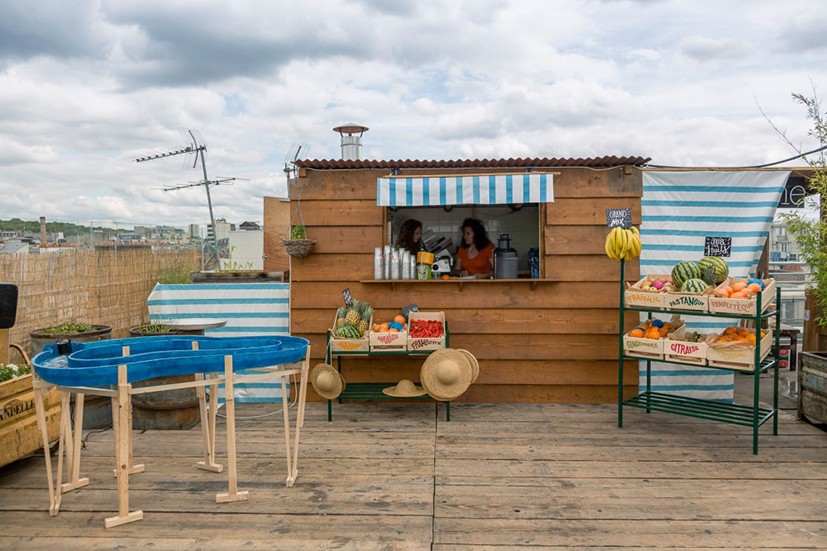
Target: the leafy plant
pixel 298 232
pixel 12 371
pixel 154 328
pixel 811 235
pixel 175 275
pixel 68 328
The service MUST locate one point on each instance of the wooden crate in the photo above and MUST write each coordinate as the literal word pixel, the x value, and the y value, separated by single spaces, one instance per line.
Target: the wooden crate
pixel 635 297
pixel 643 348
pixel 19 431
pixel 736 355
pixel 743 306
pixel 426 343
pixel 338 344
pixel 675 349
pixel 388 340
pixel 688 301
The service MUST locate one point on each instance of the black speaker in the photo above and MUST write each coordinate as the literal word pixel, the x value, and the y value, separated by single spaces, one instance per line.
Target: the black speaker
pixel 8 305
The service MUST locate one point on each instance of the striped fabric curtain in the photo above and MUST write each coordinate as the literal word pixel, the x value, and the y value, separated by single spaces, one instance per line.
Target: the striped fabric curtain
pixel 468 189
pixel 679 210
pixel 251 309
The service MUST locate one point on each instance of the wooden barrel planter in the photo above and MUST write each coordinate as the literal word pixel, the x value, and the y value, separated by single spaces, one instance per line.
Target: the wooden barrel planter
pixel 97 410
pixel 812 387
pixel 167 409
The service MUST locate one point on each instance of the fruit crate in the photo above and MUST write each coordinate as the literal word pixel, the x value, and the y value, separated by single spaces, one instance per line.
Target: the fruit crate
pixel 737 355
pixel 642 347
pixel 675 300
pixel 339 344
pixel 636 297
pixel 388 340
pixel 426 343
pixel 677 349
pixel 742 306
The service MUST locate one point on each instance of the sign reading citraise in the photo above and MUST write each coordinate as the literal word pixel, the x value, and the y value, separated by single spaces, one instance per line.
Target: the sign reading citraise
pixel 465 189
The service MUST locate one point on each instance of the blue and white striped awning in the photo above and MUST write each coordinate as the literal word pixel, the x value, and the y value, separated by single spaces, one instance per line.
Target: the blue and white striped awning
pixel 466 189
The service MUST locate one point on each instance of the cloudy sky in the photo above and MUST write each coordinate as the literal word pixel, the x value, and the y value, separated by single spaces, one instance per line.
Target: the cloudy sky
pixel 86 86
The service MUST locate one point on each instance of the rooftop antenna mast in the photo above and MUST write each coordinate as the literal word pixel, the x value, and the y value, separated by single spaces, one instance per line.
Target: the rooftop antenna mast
pixel 199 149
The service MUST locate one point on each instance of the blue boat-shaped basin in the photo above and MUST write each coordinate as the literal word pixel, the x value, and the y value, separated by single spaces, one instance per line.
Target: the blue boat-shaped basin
pixel 95 364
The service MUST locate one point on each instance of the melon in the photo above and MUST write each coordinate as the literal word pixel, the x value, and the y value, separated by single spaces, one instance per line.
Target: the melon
pixel 685 271
pixel 694 286
pixel 714 269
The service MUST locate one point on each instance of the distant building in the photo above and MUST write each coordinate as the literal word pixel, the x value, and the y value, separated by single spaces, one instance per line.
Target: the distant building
pixel 222 229
pixel 194 231
pixel 249 226
pixel 245 251
pixel 15 246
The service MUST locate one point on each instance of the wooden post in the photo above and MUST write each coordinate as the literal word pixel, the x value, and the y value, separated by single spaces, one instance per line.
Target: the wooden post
pixel 140 467
pixel 229 400
pixel 300 416
pixel 73 446
pixel 54 497
pixel 286 414
pixel 207 423
pixel 122 454
pixel 4 346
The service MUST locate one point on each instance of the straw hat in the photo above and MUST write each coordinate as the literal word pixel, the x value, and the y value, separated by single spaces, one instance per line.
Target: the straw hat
pixel 326 381
pixel 475 366
pixel 446 374
pixel 404 389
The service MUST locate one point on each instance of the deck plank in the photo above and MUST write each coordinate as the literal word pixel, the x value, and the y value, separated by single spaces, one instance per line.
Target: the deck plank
pixel 396 475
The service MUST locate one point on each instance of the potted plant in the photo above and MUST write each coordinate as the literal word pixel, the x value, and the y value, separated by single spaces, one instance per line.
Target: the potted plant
pixel 167 409
pixel 299 245
pixel 97 410
pixel 811 238
pixel 75 331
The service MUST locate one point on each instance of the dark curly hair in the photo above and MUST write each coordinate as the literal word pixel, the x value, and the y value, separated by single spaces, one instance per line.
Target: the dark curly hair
pixel 480 235
pixel 406 233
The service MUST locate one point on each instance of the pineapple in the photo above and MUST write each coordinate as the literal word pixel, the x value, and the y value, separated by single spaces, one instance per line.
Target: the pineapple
pixel 340 317
pixel 352 317
pixel 366 313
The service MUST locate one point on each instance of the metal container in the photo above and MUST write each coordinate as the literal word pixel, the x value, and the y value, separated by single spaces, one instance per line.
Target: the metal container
pixel 505 259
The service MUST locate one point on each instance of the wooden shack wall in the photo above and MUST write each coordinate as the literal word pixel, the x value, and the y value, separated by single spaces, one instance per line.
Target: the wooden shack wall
pixel 556 342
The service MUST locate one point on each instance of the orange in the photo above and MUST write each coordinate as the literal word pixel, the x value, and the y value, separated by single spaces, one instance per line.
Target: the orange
pixel 375 327
pixel 638 333
pixel 754 287
pixel 398 318
pixel 721 292
pixel 738 294
pixel 751 338
pixel 730 330
pixel 739 285
pixel 383 327
pixel 728 290
pixel 393 330
pixel 653 333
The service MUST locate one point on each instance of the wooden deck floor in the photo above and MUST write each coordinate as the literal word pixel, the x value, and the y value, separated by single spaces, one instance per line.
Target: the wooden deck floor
pixel 398 476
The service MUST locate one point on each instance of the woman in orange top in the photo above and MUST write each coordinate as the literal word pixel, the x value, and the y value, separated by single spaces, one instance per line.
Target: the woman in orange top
pixel 474 256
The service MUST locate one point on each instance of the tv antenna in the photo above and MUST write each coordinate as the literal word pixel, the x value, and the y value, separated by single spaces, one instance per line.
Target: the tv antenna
pixel 290 160
pixel 199 149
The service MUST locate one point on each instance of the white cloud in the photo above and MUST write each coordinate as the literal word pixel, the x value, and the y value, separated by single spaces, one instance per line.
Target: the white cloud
pixel 87 89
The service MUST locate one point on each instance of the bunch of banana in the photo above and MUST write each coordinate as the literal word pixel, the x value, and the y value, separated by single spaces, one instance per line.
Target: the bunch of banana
pixel 623 243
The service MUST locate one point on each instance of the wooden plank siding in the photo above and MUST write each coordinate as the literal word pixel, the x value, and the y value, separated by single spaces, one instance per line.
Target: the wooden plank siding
pixel 555 341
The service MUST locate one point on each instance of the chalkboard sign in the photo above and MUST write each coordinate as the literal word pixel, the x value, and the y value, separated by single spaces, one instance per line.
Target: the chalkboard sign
pixel 406 310
pixel 347 297
pixel 8 305
pixel 619 218
pixel 717 246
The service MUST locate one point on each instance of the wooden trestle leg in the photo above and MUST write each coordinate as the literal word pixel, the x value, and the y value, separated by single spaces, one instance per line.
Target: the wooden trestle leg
pixel 229 400
pixel 74 444
pixel 207 417
pixel 133 469
pixel 122 453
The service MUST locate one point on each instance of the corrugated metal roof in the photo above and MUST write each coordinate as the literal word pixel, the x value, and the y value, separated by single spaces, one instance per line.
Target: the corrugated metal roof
pixel 545 162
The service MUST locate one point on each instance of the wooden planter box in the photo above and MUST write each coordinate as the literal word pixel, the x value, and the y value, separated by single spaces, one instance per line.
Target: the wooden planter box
pixel 19 431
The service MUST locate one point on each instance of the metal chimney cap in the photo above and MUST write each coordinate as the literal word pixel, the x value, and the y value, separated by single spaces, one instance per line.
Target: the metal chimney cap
pixel 350 128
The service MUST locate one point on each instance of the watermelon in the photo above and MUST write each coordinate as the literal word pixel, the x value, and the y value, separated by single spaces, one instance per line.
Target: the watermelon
pixel 685 271
pixel 694 286
pixel 714 269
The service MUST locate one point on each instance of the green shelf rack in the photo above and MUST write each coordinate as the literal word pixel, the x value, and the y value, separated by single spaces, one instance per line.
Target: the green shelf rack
pixel 749 415
pixel 373 391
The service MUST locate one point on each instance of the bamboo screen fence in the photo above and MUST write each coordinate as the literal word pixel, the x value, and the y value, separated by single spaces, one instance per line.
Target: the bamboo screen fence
pixel 100 287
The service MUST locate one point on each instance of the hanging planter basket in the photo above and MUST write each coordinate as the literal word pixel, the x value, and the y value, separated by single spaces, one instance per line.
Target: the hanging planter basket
pixel 299 248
